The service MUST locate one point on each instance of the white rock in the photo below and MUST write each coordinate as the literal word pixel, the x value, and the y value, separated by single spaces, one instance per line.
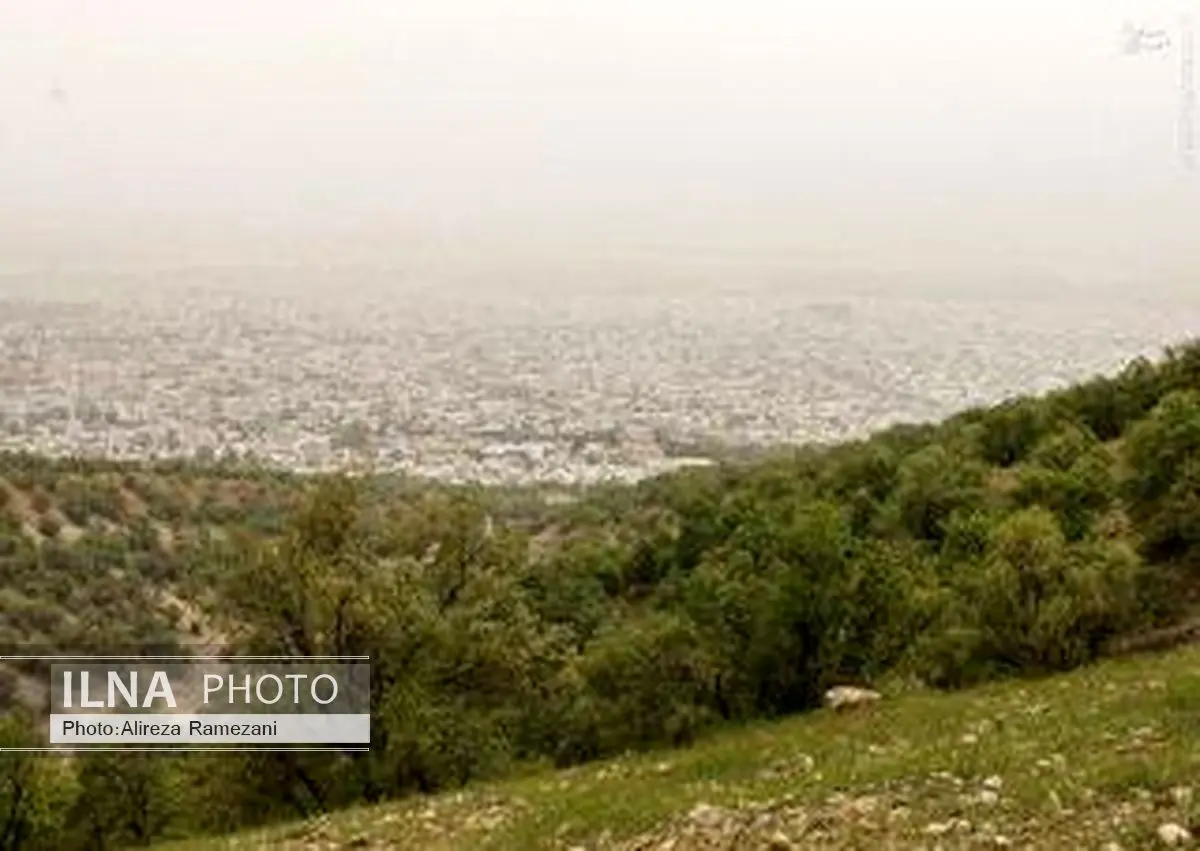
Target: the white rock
pixel 995 782
pixel 941 828
pixel 806 762
pixel 988 797
pixel 848 697
pixel 706 815
pixel 780 842
pixel 1173 834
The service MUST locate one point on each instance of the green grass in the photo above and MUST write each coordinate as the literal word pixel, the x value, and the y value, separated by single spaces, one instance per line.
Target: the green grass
pixel 1106 754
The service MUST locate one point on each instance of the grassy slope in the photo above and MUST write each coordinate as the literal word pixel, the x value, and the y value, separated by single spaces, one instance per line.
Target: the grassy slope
pixel 1105 754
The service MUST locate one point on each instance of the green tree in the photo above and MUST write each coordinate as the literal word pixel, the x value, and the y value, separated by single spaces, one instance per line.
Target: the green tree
pixel 1163 455
pixel 1078 494
pixel 1010 430
pixel 932 484
pixel 125 799
pixel 649 681
pixel 1035 603
pixel 36 793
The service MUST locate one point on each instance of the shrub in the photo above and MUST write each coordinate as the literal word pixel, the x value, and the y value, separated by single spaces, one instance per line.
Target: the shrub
pixel 1010 431
pixel 1163 453
pixel 933 484
pixel 1035 603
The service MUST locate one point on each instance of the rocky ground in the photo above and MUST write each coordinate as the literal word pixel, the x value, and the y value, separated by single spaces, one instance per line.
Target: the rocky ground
pixel 1107 758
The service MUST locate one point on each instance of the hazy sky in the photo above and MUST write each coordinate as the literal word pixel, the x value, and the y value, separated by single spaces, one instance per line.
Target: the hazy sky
pixel 1013 125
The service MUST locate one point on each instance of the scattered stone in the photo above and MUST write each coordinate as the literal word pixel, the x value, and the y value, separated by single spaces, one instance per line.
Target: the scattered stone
pixel 1173 834
pixel 801 764
pixel 995 782
pixel 780 842
pixel 1182 795
pixel 988 797
pixel 706 815
pixel 969 739
pixel 317 828
pixel 863 806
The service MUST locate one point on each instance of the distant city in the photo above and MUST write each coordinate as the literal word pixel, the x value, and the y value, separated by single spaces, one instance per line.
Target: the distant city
pixel 569 386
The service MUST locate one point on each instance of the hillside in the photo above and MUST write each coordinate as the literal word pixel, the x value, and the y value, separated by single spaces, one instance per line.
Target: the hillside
pixel 1099 759
pixel 94 552
pixel 511 628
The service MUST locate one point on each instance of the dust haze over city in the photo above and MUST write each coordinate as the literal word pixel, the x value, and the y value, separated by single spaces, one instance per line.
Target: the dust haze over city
pixel 572 240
